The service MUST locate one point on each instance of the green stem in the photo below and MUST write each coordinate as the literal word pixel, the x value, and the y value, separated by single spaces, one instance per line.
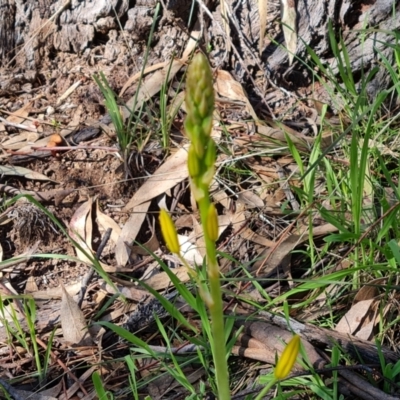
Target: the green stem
pixel 216 308
pixel 266 389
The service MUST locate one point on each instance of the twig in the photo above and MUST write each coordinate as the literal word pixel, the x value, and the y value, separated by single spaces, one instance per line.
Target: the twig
pixel 19 126
pixel 66 148
pixel 89 275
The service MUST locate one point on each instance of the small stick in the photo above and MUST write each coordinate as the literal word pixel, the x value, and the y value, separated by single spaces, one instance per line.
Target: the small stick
pixel 19 126
pixel 66 148
pixel 89 275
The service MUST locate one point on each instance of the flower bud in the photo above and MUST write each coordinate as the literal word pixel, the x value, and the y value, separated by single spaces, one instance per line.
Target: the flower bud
pixel 193 163
pixel 199 88
pixel 288 358
pixel 169 232
pixel 211 153
pixel 212 223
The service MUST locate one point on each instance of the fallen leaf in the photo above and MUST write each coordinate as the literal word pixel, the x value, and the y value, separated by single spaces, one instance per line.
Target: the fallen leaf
pixel 171 172
pixel 153 84
pixel 23 172
pixel 129 232
pixel 369 291
pixel 57 292
pixel 105 222
pixel 73 322
pixel 80 230
pixel 280 254
pixel 354 318
pixel 226 86
pixel 31 286
pixel 19 141
pixel 162 281
pixel 250 199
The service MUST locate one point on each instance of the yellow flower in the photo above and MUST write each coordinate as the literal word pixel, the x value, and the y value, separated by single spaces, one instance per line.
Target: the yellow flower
pixel 288 358
pixel 169 232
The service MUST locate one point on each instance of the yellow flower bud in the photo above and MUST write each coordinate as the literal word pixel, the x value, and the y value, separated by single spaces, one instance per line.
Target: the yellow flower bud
pixel 193 163
pixel 288 358
pixel 211 153
pixel 169 232
pixel 212 223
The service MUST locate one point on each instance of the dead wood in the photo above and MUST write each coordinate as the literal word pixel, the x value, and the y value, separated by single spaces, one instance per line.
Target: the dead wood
pixel 272 325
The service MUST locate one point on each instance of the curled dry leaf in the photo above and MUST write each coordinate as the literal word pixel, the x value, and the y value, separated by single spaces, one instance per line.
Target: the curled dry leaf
pixel 73 322
pixel 80 230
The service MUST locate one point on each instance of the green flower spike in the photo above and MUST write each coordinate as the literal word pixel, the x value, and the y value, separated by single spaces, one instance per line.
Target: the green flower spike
pixel 169 232
pixel 288 358
pixel 201 159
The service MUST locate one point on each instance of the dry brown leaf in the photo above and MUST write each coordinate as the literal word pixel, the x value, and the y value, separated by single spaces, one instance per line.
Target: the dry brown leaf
pixel 369 291
pixel 280 255
pixel 354 318
pixel 262 10
pixel 151 245
pixel 19 141
pixel 250 199
pixel 80 230
pixel 162 281
pixel 105 222
pixel 129 232
pixel 133 293
pixel 56 293
pixel 226 86
pixel 288 18
pixel 73 321
pixel 31 286
pixel 23 172
pixel 153 84
pixel 18 116
pixel 171 172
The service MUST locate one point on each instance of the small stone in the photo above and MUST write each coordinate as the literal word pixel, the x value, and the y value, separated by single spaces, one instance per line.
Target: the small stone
pixel 50 110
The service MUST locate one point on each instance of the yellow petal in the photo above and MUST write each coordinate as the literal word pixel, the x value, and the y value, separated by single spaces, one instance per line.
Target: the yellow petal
pixel 169 232
pixel 288 358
